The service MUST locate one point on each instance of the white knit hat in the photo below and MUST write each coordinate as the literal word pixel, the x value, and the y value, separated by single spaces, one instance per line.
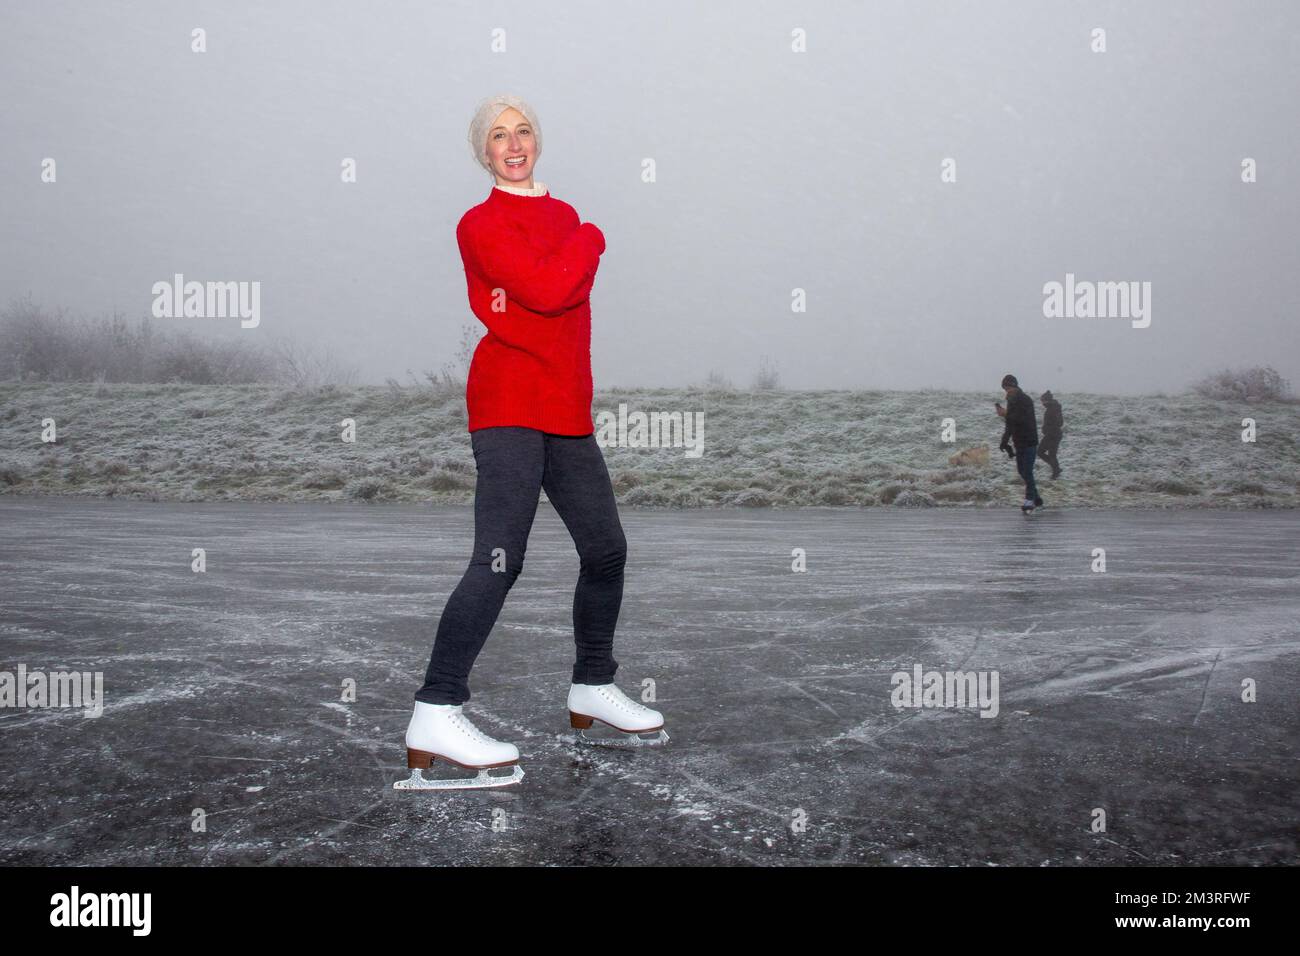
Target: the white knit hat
pixel 485 116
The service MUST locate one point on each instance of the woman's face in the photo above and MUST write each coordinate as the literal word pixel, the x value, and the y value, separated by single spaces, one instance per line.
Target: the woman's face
pixel 511 149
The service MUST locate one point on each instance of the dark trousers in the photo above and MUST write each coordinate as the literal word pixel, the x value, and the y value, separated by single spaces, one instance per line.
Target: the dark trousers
pixel 1047 451
pixel 514 464
pixel 1025 465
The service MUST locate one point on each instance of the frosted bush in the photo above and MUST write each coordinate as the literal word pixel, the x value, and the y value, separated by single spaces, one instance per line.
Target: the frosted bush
pixel 911 498
pixel 366 489
pixel 1255 383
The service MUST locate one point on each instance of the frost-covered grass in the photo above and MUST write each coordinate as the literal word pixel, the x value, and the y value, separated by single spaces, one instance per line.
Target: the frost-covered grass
pixel 761 449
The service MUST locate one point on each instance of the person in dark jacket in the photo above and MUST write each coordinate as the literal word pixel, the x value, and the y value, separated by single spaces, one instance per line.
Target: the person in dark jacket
pixel 1022 431
pixel 1053 429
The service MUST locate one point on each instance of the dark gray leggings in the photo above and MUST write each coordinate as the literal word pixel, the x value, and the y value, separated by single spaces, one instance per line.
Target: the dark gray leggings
pixel 513 465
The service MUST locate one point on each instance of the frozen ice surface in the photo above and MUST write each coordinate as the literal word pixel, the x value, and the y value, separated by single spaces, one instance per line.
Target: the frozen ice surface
pixel 1118 690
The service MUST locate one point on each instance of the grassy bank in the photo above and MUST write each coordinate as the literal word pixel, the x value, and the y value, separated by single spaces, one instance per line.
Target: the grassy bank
pixel 765 449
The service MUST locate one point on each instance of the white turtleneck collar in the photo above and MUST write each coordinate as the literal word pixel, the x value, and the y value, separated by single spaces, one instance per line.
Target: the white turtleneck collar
pixel 539 189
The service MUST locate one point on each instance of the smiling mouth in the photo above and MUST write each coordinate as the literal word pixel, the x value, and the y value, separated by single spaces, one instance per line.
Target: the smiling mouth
pixel 516 162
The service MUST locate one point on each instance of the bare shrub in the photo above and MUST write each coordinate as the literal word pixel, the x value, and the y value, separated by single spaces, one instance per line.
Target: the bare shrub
pixel 717 382
pixel 767 378
pixel 1253 383
pixel 308 365
pixel 455 373
pixel 53 346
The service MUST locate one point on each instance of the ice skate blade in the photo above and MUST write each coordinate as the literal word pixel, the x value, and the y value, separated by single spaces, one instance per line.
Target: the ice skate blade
pixel 624 740
pixel 484 780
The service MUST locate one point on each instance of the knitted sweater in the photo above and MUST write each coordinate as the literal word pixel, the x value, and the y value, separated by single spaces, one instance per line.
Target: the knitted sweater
pixel 529 267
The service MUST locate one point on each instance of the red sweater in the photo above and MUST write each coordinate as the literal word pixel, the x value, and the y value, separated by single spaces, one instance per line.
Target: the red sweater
pixel 530 258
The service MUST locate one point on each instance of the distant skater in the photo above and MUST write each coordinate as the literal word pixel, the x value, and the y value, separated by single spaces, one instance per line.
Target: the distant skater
pixel 529 266
pixel 1053 429
pixel 1022 431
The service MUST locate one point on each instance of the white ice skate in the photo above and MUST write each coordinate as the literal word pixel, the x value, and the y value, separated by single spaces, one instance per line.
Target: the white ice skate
pixel 442 732
pixel 638 726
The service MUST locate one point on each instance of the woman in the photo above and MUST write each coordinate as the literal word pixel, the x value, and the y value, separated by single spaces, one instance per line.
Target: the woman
pixel 529 265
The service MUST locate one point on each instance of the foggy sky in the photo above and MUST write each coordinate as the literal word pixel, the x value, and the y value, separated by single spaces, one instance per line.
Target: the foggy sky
pixel 775 171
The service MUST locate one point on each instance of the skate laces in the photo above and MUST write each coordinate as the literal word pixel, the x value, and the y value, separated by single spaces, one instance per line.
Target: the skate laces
pixel 465 724
pixel 616 696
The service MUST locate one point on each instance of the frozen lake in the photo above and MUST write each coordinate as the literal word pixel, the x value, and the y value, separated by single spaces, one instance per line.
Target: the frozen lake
pixel 1118 690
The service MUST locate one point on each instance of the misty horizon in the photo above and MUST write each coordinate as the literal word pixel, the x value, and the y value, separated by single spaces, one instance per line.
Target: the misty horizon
pixel 775 171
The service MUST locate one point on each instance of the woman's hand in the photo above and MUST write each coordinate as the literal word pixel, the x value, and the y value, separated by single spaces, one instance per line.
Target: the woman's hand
pixel 597 236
